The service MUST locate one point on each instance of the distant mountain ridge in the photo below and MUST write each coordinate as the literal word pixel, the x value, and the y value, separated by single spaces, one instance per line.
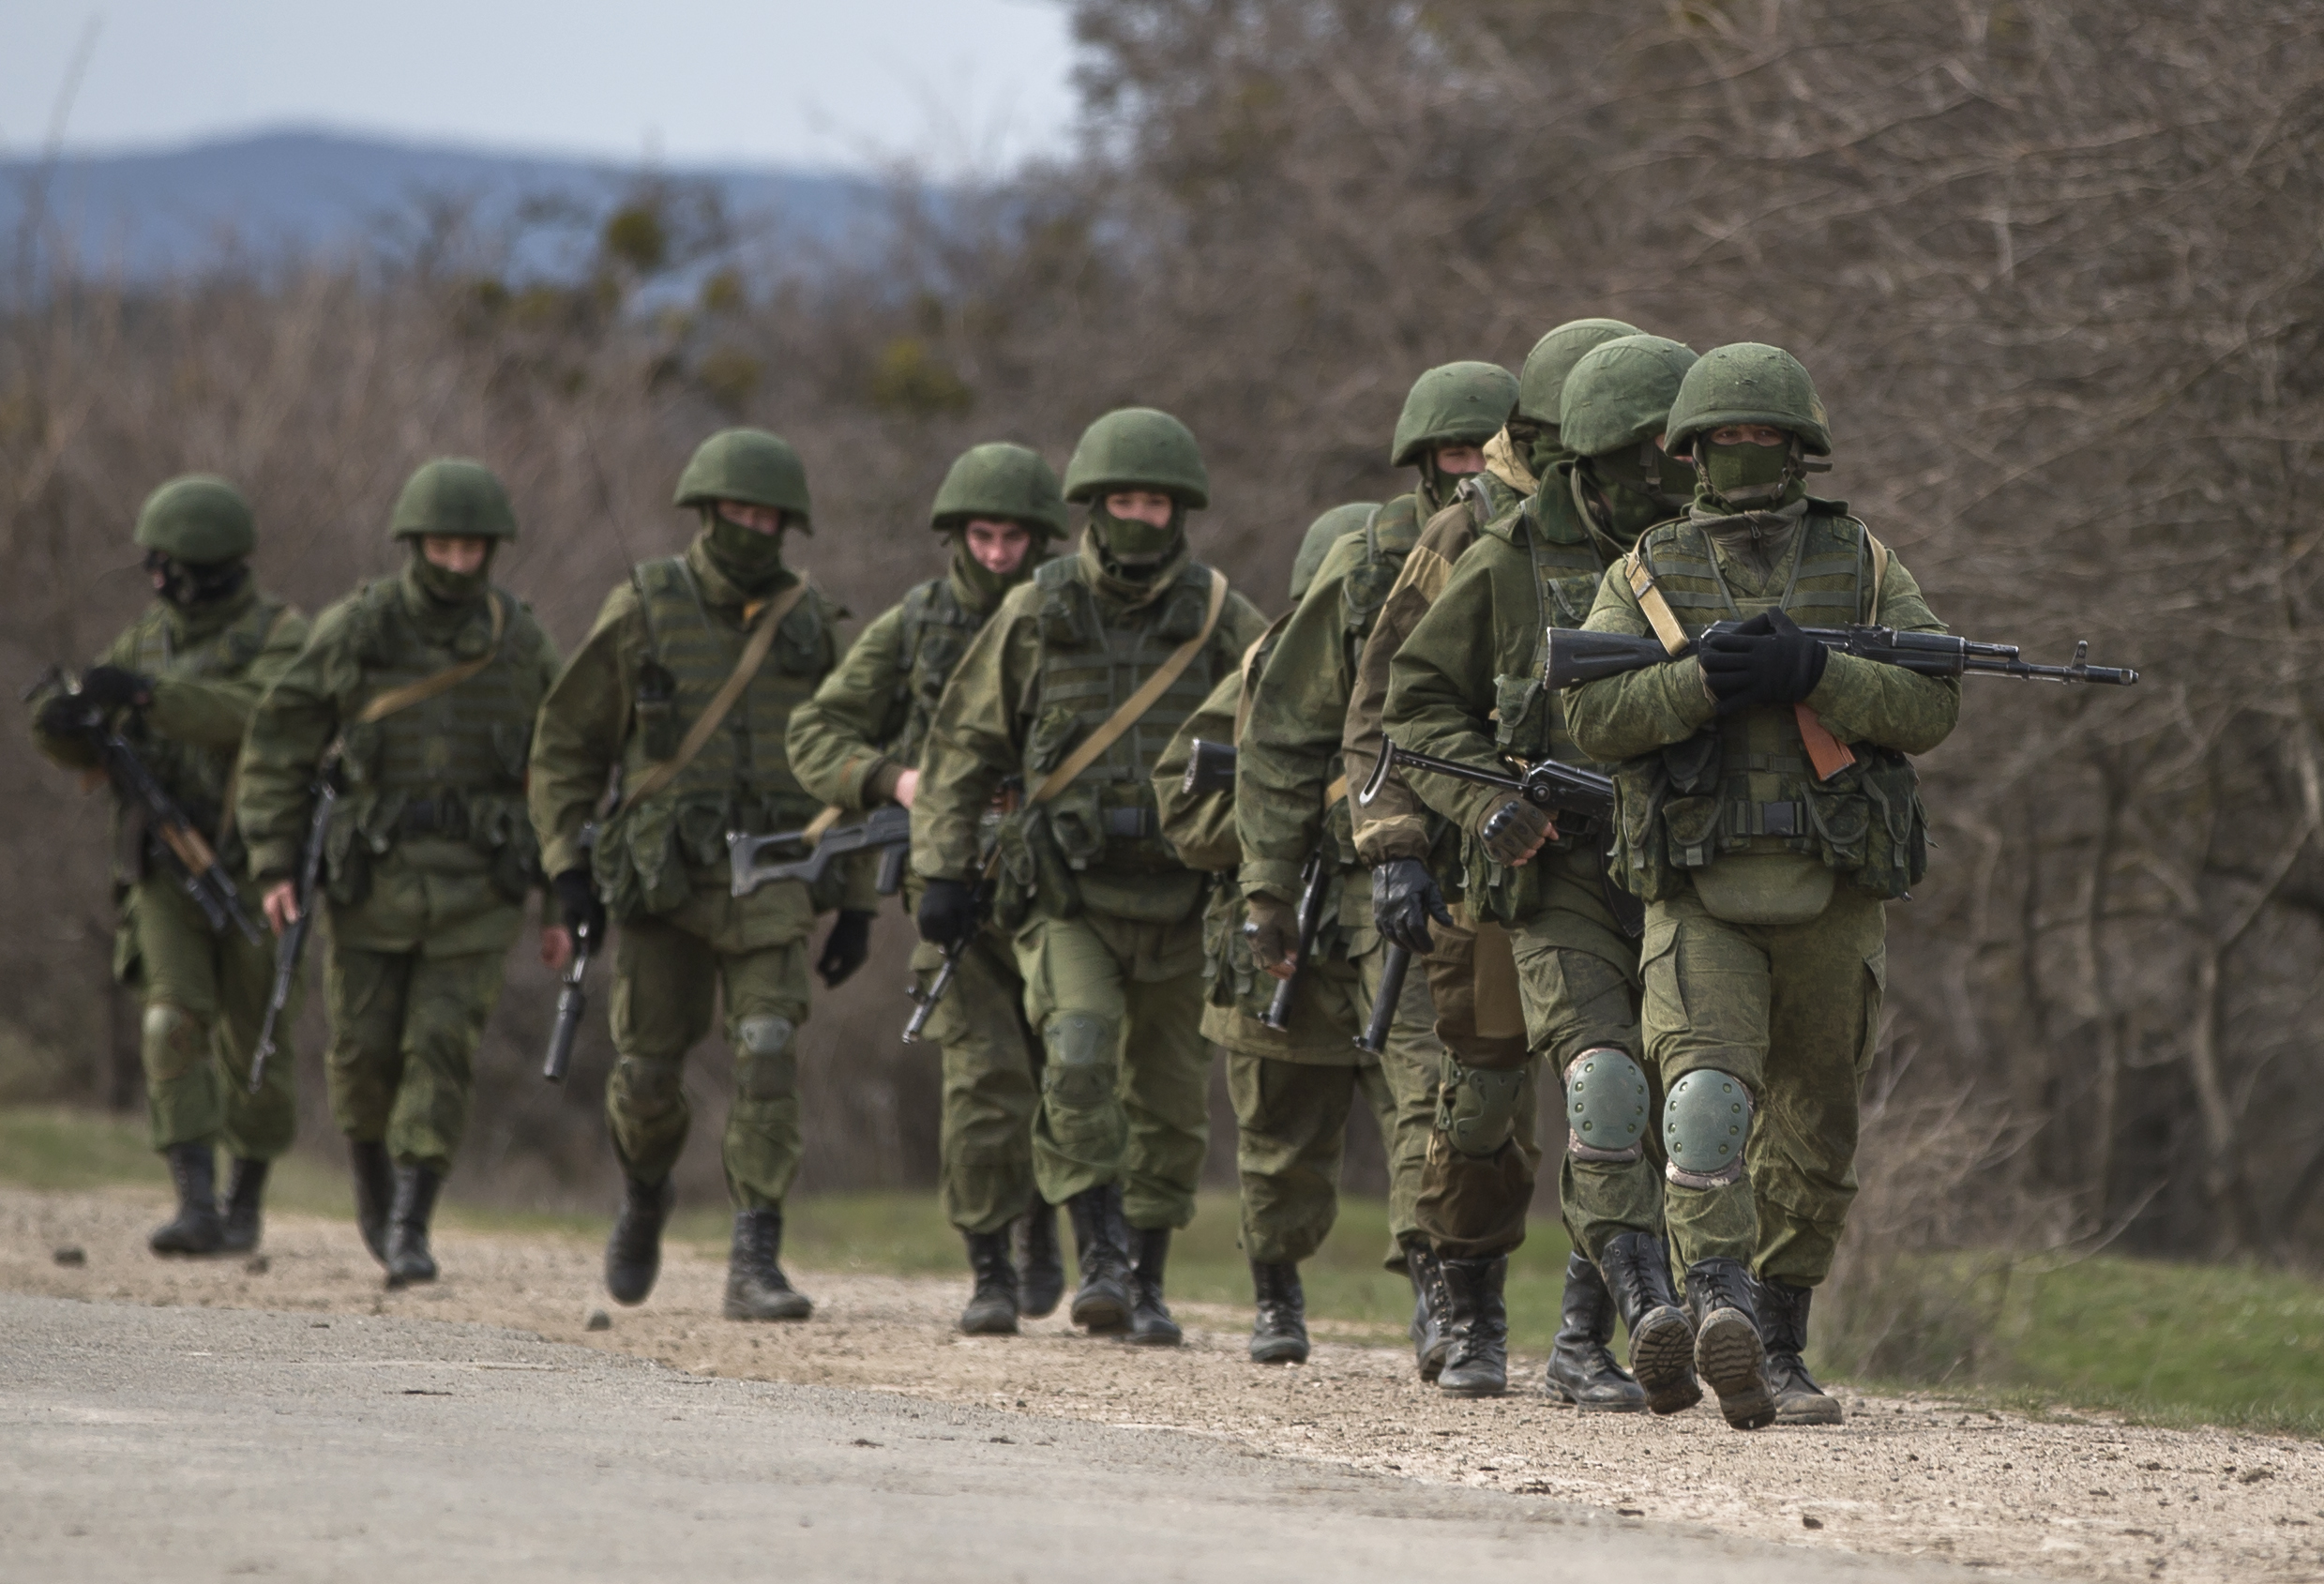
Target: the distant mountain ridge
pixel 307 191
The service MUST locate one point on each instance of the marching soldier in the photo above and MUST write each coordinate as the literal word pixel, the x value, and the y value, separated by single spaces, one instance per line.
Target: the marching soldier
pixel 679 700
pixel 423 686
pixel 179 686
pixel 858 743
pixel 1075 687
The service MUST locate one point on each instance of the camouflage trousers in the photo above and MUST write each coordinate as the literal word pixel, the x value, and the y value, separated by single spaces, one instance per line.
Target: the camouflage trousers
pixel 1472 1206
pixel 667 981
pixel 204 996
pixel 1292 1129
pixel 1125 1091
pixel 991 1067
pixel 405 1032
pixel 1411 1066
pixel 1793 1010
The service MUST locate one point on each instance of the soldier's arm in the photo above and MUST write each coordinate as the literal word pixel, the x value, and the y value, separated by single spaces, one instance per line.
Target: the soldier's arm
pixel 1440 689
pixel 975 742
pixel 290 728
pixel 214 712
pixel 1200 826
pixel 1635 714
pixel 578 738
pixel 1297 706
pixel 1394 825
pixel 835 738
pixel 1242 623
pixel 1865 702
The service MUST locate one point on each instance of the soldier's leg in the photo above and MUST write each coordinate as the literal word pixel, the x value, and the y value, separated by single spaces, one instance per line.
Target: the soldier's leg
pixel 665 981
pixel 1076 998
pixel 1166 1074
pixel 364 994
pixel 1292 1122
pixel 1477 1179
pixel 447 1001
pixel 766 1001
pixel 984 1143
pixel 1410 1067
pixel 258 1128
pixel 178 973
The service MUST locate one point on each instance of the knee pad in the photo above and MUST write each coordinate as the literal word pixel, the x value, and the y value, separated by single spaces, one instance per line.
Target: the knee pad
pixel 1084 1063
pixel 765 1066
pixel 1606 1107
pixel 175 1041
pixel 647 1089
pixel 1477 1109
pixel 1705 1124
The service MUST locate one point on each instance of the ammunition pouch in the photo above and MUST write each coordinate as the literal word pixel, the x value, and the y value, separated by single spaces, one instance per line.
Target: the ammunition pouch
pixel 1034 876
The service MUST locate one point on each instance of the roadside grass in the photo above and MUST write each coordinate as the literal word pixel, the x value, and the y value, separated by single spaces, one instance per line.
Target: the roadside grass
pixel 2157 1342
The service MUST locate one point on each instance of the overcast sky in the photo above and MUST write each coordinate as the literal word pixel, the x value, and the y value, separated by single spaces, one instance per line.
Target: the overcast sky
pixel 964 84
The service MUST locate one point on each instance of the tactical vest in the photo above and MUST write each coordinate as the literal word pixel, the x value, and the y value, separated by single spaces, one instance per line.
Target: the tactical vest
pixel 741 781
pixel 195 774
pixel 450 768
pixel 934 635
pixel 1743 784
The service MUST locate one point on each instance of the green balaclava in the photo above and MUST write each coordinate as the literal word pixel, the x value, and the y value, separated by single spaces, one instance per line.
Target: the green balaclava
pixel 451 588
pixel 1751 477
pixel 759 469
pixel 1132 549
pixel 997 482
pixel 452 497
pixel 1615 403
pixel 748 559
pixel 1749 382
pixel 1137 448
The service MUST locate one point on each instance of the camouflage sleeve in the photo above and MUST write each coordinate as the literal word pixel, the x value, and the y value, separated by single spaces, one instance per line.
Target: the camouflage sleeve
pixel 214 712
pixel 1626 717
pixel 75 751
pixel 1298 704
pixel 1865 702
pixel 1394 825
pixel 578 739
pixel 977 738
pixel 1242 624
pixel 1440 688
pixel 291 727
pixel 1200 826
pixel 835 738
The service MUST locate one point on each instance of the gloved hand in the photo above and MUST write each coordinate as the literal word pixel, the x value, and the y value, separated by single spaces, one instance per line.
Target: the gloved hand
pixel 1405 898
pixel 113 687
pixel 577 900
pixel 1512 830
pixel 1272 927
pixel 1766 660
pixel 68 715
pixel 846 947
pixel 947 912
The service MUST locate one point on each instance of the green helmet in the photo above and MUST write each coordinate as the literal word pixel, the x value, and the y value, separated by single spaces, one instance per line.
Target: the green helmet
pixel 750 466
pixel 198 519
pixel 1000 480
pixel 1322 534
pixel 1540 385
pixel 1748 384
pixel 1620 394
pixel 1452 405
pixel 1137 448
pixel 455 497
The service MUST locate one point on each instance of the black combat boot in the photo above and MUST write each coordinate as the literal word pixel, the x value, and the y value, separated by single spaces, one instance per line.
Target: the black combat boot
pixel 1430 1303
pixel 633 1254
pixel 1637 1267
pixel 1151 1325
pixel 1799 1400
pixel 1102 1301
pixel 755 1288
pixel 1040 1268
pixel 1581 1370
pixel 375 1193
pixel 1728 1354
pixel 992 1307
pixel 1476 1361
pixel 245 1195
pixel 195 1229
pixel 408 1260
pixel 1280 1333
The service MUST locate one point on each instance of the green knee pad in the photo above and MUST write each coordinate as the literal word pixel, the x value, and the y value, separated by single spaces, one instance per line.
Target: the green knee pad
pixel 173 1042
pixel 1477 1108
pixel 765 1066
pixel 1606 1107
pixel 1084 1063
pixel 648 1091
pixel 1705 1126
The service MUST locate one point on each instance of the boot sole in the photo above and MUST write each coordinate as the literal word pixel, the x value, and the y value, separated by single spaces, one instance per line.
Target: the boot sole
pixel 771 1312
pixel 1472 1388
pixel 1278 1350
pixel 994 1324
pixel 1661 1356
pixel 1100 1311
pixel 633 1292
pixel 1155 1338
pixel 1809 1409
pixel 1732 1362
pixel 1557 1392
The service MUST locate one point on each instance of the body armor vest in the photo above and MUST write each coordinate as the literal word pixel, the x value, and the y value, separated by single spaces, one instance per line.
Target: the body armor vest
pixel 1743 784
pixel 934 636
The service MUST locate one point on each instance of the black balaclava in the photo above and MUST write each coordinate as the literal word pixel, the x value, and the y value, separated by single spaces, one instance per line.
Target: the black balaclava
pixel 186 584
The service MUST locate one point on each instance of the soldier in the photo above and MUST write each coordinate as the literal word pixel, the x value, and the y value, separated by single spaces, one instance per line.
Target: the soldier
pixel 179 686
pixel 685 687
pixel 857 743
pixel 428 683
pixel 1466 686
pixel 1766 811
pixel 1076 686
pixel 1473 1196
pixel 1292 801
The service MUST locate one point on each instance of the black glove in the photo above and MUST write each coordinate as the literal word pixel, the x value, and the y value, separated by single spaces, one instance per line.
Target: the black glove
pixel 577 900
pixel 1766 660
pixel 846 947
pixel 113 687
pixel 1405 898
pixel 947 912
pixel 68 715
pixel 1510 830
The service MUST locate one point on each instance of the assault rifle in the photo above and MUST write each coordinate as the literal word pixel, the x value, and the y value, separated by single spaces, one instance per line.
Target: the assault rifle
pixel 1210 768
pixel 887 829
pixel 294 942
pixel 572 994
pixel 1585 796
pixel 205 878
pixel 1576 656
pixel 1314 882
pixel 923 1003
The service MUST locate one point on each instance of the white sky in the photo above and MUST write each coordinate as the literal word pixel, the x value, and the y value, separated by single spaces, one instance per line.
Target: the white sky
pixel 964 85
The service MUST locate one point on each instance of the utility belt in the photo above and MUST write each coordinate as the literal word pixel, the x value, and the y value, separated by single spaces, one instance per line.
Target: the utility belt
pixel 368 828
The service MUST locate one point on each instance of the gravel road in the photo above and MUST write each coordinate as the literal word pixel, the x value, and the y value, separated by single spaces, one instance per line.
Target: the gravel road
pixel 1221 1458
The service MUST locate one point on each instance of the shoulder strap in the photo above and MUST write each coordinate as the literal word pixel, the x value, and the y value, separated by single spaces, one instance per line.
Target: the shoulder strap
pixel 1879 573
pixel 1136 704
pixel 1657 608
pixel 754 655
pixel 427 687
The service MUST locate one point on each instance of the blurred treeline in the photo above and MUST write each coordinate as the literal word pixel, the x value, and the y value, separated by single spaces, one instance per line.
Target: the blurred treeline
pixel 2057 265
